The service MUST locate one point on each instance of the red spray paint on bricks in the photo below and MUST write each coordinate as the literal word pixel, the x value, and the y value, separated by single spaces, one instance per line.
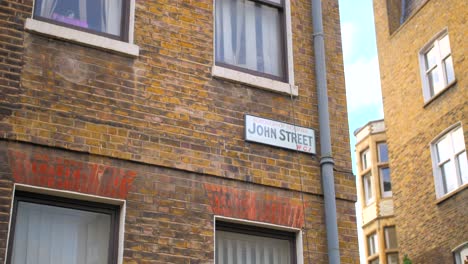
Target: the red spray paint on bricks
pixel 49 171
pixel 255 206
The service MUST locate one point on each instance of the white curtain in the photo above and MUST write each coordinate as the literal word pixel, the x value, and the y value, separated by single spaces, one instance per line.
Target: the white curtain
pixel 53 235
pixel 233 248
pixel 248 36
pixel 83 11
pixel 112 16
pixel 48 7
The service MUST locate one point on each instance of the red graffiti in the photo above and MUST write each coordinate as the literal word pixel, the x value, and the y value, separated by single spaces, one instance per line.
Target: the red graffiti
pixel 255 206
pixel 66 174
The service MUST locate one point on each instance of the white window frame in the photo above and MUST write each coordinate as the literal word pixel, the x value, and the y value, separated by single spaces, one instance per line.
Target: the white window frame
pixel 459 252
pixel 258 81
pixel 86 38
pixel 74 196
pixel 438 179
pixel 439 64
pixel 369 194
pixel 372 242
pixel 385 194
pixel 366 162
pixel 379 154
pixel 299 243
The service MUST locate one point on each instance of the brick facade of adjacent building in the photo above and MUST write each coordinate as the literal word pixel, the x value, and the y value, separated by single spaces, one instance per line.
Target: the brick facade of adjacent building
pixel 429 227
pixel 159 132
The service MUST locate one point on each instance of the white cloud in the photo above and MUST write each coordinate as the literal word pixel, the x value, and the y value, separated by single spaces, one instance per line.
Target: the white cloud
pixel 363 85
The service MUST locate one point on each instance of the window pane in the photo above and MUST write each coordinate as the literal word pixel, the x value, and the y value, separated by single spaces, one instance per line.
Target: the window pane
pixel 390 238
pixel 444 45
pixel 98 15
pixel 383 152
pixel 449 177
pixel 368 194
pixel 458 140
pixel 365 158
pixel 431 58
pixel 444 149
pixel 372 246
pixel 449 70
pixel 243 248
pixel 375 261
pixel 386 182
pixel 436 83
pixel 392 258
pixel 463 166
pixel 248 36
pixel 52 235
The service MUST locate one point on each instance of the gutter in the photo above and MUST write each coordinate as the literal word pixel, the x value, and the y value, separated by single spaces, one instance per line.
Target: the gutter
pixel 326 160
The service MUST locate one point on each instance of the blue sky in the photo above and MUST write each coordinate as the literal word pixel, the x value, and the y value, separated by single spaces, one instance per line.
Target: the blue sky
pixel 361 65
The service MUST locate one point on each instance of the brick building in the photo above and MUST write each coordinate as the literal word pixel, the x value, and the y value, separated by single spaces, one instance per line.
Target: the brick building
pixel 374 189
pixel 423 66
pixel 122 132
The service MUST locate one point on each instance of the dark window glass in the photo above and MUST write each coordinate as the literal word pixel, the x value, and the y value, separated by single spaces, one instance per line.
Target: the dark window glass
pixel 250 37
pixel 98 16
pixel 49 230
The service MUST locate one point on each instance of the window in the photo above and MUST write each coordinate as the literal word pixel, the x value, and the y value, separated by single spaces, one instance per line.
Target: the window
pixel 383 152
pixel 365 159
pixel 461 254
pixel 372 244
pixel 390 237
pixel 368 193
pixel 374 261
pixel 450 161
pixel 104 17
pixel 437 66
pixel 250 37
pixel 253 245
pixel 48 229
pixel 385 183
pixel 392 258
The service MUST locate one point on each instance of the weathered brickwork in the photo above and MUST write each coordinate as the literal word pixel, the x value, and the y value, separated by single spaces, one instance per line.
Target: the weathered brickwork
pixel 428 229
pixel 159 131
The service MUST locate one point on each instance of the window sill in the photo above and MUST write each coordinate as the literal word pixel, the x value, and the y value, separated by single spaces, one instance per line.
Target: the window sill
pixel 447 196
pixel 255 81
pixel 433 98
pixel 82 37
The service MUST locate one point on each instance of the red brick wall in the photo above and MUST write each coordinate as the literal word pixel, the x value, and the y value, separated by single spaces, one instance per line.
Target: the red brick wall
pixel 164 109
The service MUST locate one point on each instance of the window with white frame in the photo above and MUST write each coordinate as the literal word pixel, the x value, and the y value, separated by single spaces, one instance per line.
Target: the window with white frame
pixel 372 245
pixel 243 244
pixel 385 182
pixel 436 66
pixel 365 159
pixel 383 152
pixel 250 37
pixel 368 192
pixel 48 229
pixel 460 254
pixel 390 237
pixel 391 245
pixel 450 161
pixel 109 18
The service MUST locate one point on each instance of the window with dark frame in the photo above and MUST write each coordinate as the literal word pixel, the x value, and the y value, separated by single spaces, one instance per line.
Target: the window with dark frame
pixel 250 37
pixel 108 18
pixel 243 244
pixel 49 229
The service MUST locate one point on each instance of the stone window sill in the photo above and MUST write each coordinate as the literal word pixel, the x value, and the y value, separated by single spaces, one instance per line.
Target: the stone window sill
pixel 255 81
pixel 447 196
pixel 82 37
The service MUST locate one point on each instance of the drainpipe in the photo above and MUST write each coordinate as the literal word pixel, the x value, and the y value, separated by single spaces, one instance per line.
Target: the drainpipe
pixel 326 160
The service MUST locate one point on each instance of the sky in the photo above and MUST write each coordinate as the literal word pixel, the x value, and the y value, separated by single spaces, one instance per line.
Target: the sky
pixel 362 76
